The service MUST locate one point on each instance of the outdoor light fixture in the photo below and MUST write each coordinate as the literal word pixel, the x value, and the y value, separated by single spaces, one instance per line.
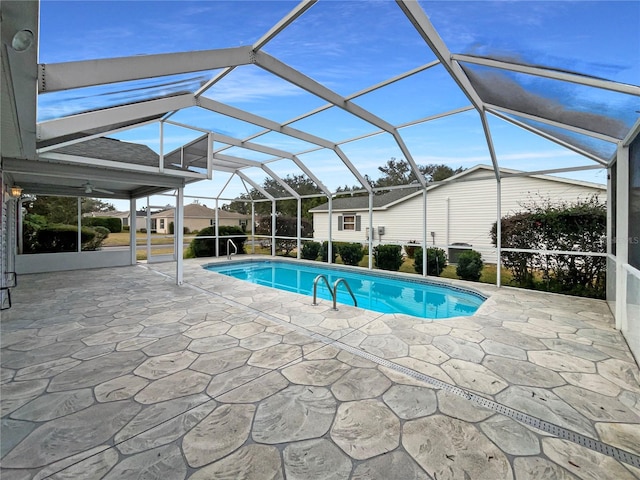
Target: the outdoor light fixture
pixel 16 191
pixel 22 40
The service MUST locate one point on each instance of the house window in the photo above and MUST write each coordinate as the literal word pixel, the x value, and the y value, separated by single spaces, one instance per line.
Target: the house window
pixel 349 222
pixel 125 222
pixel 162 224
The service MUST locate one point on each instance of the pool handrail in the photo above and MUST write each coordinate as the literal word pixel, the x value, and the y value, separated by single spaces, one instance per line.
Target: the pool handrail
pixel 235 248
pixel 335 292
pixel 315 289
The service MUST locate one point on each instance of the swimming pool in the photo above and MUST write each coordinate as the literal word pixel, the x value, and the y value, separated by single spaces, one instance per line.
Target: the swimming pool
pixel 374 291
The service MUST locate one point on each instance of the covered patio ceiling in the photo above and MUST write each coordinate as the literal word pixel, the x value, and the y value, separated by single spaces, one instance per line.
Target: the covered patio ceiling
pixel 83 106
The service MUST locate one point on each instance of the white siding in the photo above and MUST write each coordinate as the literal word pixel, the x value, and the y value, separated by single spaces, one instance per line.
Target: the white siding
pixel 472 212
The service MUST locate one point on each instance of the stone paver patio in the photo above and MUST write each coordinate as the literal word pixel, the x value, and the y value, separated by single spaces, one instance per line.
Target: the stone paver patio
pixel 118 373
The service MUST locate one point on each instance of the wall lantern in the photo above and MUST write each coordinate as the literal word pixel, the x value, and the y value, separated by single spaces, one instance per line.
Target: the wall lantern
pixel 16 191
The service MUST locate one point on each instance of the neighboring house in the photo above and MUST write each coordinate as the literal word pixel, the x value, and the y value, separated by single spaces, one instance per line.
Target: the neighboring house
pixel 457 213
pixel 197 217
pixel 123 216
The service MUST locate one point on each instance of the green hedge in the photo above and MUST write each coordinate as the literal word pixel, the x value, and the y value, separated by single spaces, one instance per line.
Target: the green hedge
pixel 436 261
pixel 61 238
pixel 114 225
pixel 351 253
pixel 388 257
pixel 206 247
pixel 310 250
pixel 470 265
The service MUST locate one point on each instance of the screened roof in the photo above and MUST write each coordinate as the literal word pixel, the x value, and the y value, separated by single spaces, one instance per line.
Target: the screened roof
pixel 242 91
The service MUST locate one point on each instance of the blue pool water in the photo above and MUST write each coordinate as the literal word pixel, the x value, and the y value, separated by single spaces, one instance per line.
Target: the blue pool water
pixel 373 291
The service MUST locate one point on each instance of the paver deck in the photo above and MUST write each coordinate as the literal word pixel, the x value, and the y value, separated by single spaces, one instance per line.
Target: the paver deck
pixel 119 373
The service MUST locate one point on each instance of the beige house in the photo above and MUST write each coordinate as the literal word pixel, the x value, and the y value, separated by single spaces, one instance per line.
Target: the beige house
pixel 457 213
pixel 124 217
pixel 197 217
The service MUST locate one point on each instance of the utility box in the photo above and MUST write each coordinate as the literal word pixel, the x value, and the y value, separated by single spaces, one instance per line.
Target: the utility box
pixel 456 249
pixel 380 231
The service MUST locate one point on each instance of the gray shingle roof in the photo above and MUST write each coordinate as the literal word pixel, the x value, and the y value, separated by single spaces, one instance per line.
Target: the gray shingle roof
pixel 113 150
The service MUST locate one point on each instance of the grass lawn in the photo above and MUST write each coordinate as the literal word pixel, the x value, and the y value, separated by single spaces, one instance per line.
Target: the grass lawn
pixel 122 239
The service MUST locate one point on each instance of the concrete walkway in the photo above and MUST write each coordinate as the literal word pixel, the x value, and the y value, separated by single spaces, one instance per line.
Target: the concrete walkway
pixel 118 373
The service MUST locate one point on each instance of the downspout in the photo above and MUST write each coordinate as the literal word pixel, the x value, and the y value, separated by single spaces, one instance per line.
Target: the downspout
pixel 447 222
pixel 424 233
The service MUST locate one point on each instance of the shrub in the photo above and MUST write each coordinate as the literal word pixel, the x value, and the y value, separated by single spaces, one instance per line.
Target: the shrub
pixel 470 266
pixel 61 238
pixel 112 223
pixel 206 247
pixel 310 250
pixel 96 242
pixel 143 230
pixel 578 226
pixel 325 251
pixel 126 228
pixel 388 257
pixel 436 261
pixel 171 228
pixel 351 253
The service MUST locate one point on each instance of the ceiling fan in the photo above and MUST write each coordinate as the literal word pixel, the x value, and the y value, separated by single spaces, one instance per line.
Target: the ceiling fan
pixel 89 189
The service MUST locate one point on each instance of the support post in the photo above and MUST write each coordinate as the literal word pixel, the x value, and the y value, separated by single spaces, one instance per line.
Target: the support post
pixel 217 230
pixel 179 234
pixel 132 230
pixel 499 233
pixel 253 227
pixel 299 229
pixel 273 228
pixel 148 230
pixel 424 233
pixel 20 227
pixel 161 155
pixel 79 217
pixel 370 239
pixel 622 235
pixel 330 240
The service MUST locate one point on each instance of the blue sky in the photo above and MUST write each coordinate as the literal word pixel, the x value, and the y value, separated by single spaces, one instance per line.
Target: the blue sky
pixel 348 46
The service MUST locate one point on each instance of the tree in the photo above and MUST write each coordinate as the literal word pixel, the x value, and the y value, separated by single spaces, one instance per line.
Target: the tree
pixel 399 172
pixel 301 184
pixel 285 227
pixel 63 210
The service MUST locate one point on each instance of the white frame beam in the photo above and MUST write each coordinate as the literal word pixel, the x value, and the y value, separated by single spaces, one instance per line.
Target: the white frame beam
pixel 81 122
pixel 86 73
